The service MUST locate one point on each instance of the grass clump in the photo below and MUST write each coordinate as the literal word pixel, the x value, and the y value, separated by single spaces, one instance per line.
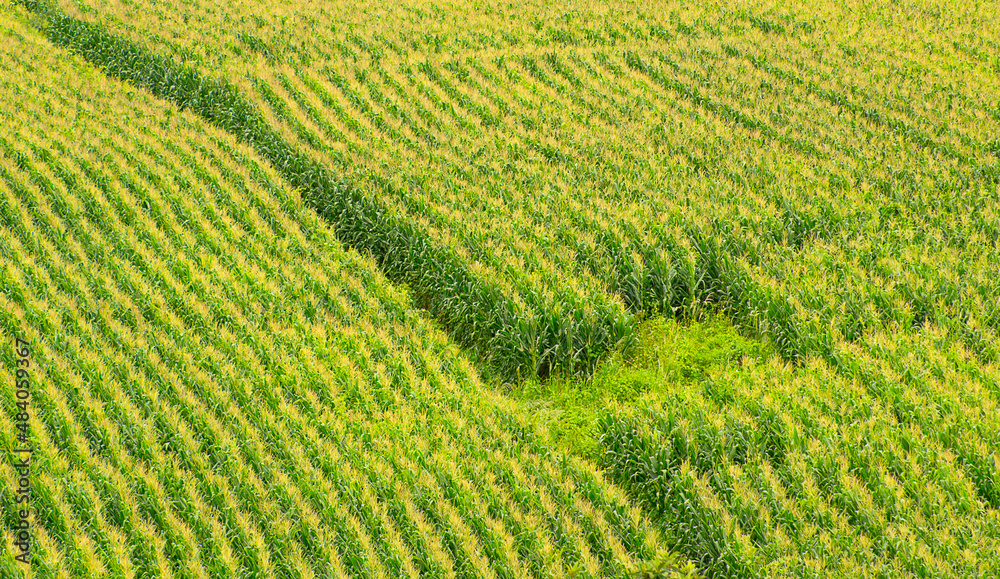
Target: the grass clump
pixel 669 355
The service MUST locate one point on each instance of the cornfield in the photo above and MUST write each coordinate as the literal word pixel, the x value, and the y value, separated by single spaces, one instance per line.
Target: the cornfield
pixel 225 391
pixel 279 263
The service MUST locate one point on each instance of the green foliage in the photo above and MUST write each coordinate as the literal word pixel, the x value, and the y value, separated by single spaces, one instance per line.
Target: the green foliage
pixel 540 182
pixel 666 566
pixel 515 340
pixel 744 469
pixel 668 356
pixel 221 389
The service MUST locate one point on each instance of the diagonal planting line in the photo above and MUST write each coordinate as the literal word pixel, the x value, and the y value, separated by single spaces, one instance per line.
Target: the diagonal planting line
pixel 518 338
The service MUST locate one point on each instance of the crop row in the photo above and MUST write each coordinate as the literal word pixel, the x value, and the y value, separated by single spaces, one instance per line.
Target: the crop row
pixel 534 197
pixel 224 391
pixel 766 471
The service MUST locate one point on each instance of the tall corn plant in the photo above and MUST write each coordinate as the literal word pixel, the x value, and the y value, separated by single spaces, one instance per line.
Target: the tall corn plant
pixel 518 340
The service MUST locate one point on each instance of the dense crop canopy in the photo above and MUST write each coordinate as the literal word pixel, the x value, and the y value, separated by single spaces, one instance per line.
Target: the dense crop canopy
pixel 223 390
pixel 539 176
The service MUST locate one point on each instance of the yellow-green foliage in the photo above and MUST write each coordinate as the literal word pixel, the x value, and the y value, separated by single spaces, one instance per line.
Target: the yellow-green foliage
pixel 814 168
pixel 668 354
pixel 768 470
pixel 542 175
pixel 221 390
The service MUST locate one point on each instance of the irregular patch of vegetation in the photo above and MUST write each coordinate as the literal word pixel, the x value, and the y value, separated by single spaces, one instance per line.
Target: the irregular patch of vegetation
pixel 668 355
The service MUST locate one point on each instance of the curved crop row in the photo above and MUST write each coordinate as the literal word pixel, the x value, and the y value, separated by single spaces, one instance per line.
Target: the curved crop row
pixel 537 185
pixel 768 472
pixel 220 389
